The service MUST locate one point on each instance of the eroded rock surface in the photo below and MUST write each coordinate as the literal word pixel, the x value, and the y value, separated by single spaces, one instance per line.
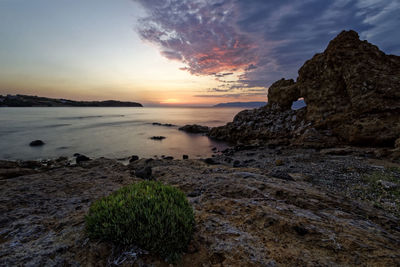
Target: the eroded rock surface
pixel 250 215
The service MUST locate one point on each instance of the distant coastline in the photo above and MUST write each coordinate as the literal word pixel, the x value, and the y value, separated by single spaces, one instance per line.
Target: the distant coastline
pixel 240 105
pixel 37 101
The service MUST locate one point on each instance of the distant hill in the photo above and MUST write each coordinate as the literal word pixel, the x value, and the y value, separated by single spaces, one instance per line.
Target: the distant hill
pixel 240 105
pixel 36 101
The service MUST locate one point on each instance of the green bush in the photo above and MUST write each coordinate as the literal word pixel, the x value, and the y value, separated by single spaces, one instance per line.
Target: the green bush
pixel 153 216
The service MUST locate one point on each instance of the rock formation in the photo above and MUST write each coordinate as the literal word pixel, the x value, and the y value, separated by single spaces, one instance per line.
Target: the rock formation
pixel 352 91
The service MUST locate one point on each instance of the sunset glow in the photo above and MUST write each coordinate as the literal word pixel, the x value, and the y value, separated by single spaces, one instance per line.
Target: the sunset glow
pixel 150 52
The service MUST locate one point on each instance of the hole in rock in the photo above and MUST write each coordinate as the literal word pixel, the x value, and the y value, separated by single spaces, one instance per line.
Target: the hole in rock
pixel 298 104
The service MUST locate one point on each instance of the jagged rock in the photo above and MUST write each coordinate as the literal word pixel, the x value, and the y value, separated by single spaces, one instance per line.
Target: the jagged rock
pixel 352 91
pixel 263 125
pixel 194 128
pixel 282 93
pixel 81 158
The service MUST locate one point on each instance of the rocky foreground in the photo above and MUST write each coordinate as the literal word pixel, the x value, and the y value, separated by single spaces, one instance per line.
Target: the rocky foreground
pixel 254 207
pixel 295 195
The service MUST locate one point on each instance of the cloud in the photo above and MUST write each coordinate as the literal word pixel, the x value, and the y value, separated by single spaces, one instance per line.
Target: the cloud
pixel 260 41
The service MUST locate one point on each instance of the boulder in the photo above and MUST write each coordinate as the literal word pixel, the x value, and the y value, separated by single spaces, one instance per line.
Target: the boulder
pixel 81 158
pixel 159 138
pixel 36 143
pixel 144 173
pixel 133 158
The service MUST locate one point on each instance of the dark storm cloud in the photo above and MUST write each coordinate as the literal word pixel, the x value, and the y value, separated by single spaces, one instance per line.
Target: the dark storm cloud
pixel 266 40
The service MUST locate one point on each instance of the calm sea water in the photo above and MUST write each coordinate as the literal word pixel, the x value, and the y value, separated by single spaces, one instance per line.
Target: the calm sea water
pixel 106 132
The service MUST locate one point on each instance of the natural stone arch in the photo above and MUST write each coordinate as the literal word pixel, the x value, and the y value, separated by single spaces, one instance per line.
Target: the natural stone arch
pixel 283 93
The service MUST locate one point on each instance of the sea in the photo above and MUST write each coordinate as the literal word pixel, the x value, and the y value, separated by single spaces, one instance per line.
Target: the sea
pixel 107 132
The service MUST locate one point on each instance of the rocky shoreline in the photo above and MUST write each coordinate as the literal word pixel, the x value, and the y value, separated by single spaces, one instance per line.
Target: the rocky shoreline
pixel 254 206
pixel 296 190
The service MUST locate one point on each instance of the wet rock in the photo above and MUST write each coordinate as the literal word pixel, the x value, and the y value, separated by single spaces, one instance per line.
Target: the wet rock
pixel 81 158
pixel 194 128
pixel 37 143
pixel 133 158
pixel 159 138
pixel 163 124
pixel 144 173
pixel 210 161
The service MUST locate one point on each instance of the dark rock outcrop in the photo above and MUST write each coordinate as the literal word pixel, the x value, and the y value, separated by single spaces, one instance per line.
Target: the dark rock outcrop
pixel 194 128
pixel 144 173
pixel 352 91
pixel 81 158
pixel 133 158
pixel 37 143
pixel 283 93
pixel 158 138
pixel 353 88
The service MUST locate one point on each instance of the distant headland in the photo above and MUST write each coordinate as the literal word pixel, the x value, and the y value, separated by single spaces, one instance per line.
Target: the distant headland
pixel 240 105
pixel 37 101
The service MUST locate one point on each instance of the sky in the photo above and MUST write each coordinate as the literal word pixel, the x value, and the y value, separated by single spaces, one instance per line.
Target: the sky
pixel 175 52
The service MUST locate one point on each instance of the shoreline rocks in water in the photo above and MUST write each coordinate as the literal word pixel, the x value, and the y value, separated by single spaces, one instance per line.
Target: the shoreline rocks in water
pixel 37 143
pixel 195 128
pixel 163 124
pixel 158 138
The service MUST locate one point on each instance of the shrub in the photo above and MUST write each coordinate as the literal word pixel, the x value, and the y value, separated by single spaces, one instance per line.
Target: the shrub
pixel 153 216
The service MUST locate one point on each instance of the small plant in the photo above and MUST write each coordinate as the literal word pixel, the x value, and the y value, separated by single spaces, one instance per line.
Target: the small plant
pixel 153 216
pixel 382 188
